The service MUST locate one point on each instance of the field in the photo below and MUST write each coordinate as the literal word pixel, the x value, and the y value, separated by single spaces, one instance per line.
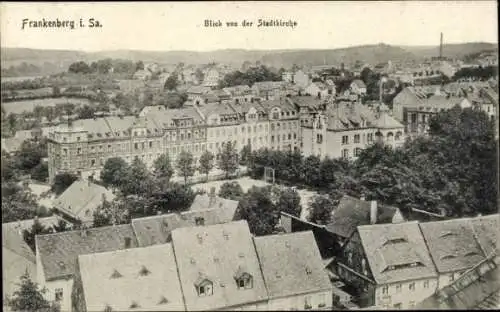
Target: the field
pixel 246 183
pixel 18 107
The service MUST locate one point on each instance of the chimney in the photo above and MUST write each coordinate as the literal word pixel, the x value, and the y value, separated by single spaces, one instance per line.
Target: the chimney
pixel 211 197
pixel 373 212
pixel 441 47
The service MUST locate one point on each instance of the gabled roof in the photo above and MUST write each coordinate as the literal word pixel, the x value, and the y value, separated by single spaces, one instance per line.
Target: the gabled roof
pixel 157 229
pixel 147 276
pixel 82 198
pixel 58 252
pixel 452 244
pixel 396 252
pixel 352 212
pixel 226 207
pixel 267 85
pixel 198 90
pixel 386 121
pixel 221 109
pixel 217 252
pixel 359 83
pixel 291 264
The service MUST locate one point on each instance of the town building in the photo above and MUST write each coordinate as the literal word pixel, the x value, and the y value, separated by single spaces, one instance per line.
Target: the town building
pixel 456 245
pixel 211 78
pixel 142 74
pixel 346 128
pixel 56 256
pixel 239 94
pixel 358 87
pixel 388 266
pixel 414 108
pixel 287 76
pixel 80 200
pixel 319 90
pixel 17 256
pixel 254 120
pixel 301 79
pixel 268 90
pixel 293 272
pixel 129 279
pixel 476 289
pixel 284 133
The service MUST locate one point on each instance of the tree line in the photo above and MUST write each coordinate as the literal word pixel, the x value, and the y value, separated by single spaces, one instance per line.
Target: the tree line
pixel 249 77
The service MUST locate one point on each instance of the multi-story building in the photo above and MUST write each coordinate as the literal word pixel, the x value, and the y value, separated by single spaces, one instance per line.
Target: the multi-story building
pixel 388 266
pixel 211 78
pixel 284 125
pixel 346 128
pixel 217 267
pixel 268 90
pixel 301 79
pixel 239 94
pixel 84 146
pixel 414 108
pixel 254 124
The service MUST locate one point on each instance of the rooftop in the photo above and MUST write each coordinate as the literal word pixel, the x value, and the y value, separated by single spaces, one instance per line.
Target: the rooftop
pixel 291 264
pixel 58 252
pixel 119 279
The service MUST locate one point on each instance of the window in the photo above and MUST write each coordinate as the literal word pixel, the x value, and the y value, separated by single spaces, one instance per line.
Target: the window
pixel 92 162
pixel 245 282
pixel 398 288
pixel 136 146
pixel 356 138
pixel 345 139
pixel 79 151
pixel 426 284
pixel 452 278
pixel 385 290
pixel 319 138
pixel 150 144
pixel 345 153
pixel 370 137
pixel 307 302
pixel 205 289
pixel 357 151
pixel 200 221
pixel 65 150
pixel 397 306
pixel 412 286
pixel 59 294
pixel 322 301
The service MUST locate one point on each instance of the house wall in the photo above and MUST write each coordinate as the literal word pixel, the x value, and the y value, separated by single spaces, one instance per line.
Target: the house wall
pixel 445 279
pixel 297 302
pixel 406 297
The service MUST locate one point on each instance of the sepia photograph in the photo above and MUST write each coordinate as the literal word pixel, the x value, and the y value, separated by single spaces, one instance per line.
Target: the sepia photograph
pixel 249 155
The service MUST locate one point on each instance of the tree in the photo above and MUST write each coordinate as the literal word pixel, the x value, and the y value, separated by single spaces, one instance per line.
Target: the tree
pixel 36 229
pixel 109 213
pixel 163 169
pixel 320 209
pixel 206 163
pixel 138 180
pixel 172 82
pixel 40 172
pixel 231 190
pixel 114 172
pixel 29 298
pixel 62 181
pixel 228 159
pixel 289 202
pixel 174 197
pixel 139 66
pixel 185 165
pixel 246 151
pixel 257 208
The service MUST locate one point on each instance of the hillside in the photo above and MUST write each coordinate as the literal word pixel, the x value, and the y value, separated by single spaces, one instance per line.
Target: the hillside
pixel 50 61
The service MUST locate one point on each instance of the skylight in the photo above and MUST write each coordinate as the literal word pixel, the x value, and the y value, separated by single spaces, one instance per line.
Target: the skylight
pixel 116 274
pixel 144 271
pixel 163 300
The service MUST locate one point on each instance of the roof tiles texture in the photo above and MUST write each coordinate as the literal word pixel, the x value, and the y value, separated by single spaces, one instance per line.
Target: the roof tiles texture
pixel 291 264
pixel 143 279
pixel 58 252
pixel 215 254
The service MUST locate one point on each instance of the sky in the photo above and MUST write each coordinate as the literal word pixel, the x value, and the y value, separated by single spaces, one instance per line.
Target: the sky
pixel 162 26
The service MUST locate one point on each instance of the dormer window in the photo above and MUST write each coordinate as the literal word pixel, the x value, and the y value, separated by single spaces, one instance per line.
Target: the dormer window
pixel 204 287
pixel 144 271
pixel 200 221
pixel 243 279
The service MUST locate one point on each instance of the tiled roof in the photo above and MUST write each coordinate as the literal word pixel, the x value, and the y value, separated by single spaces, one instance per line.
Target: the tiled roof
pixel 393 250
pixel 82 198
pixel 352 212
pixel 359 83
pixel 217 253
pixel 310 102
pixel 164 118
pixel 267 85
pixel 291 264
pixel 452 244
pixel 198 90
pixel 237 90
pixel 226 207
pixel 147 276
pixel 244 107
pixel 486 232
pixel 476 289
pixel 216 108
pixel 58 251
pixel 284 105
pixel 157 229
pixel 385 121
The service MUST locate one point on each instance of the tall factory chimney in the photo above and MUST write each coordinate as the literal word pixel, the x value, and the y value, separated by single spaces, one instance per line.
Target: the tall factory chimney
pixel 441 47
